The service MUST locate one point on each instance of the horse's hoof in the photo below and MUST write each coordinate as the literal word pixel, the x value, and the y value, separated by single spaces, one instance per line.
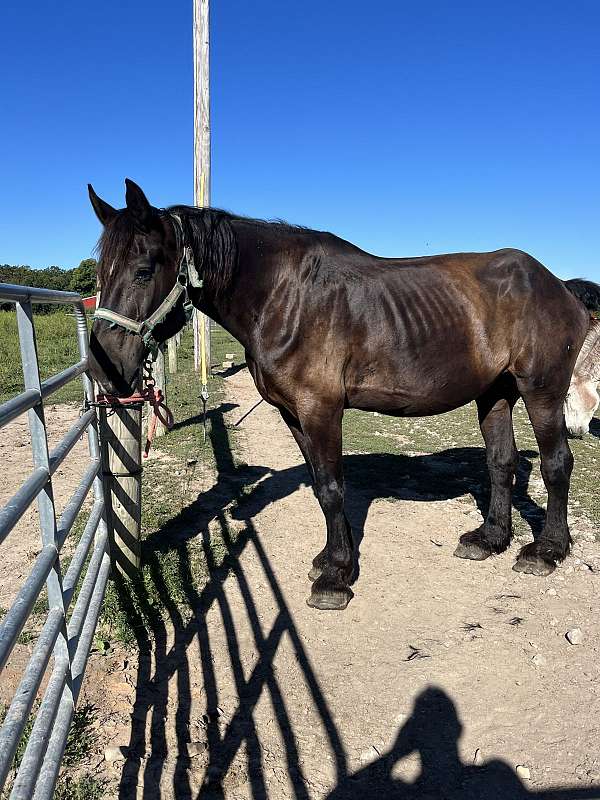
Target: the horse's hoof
pixel 472 551
pixel 534 566
pixel 331 598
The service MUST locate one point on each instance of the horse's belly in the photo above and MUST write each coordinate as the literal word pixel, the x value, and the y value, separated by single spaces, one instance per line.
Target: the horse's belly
pixel 415 396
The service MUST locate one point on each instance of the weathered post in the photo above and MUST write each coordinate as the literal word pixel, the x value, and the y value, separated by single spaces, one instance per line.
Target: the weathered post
pixel 121 449
pixel 160 378
pixel 172 350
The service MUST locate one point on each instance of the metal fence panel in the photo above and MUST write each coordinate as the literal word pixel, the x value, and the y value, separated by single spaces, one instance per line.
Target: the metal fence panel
pixel 67 640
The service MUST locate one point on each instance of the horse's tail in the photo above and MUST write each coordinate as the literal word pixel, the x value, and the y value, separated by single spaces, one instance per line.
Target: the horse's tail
pixel 586 291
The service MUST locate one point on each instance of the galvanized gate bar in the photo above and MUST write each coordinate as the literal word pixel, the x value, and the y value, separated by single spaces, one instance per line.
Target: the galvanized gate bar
pixel 73 507
pixel 11 292
pixel 63 448
pixel 40 733
pixel 81 552
pixel 18 405
pixel 56 382
pixel 20 708
pixel 19 612
pixel 49 773
pixel 75 625
pixel 69 642
pixel 21 500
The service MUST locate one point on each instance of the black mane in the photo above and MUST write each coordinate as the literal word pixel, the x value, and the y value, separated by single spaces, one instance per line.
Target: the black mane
pixel 207 230
pixel 586 291
pixel 213 242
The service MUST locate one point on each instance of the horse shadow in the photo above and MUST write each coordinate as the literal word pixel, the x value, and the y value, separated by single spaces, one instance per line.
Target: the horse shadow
pixel 446 475
pixel 595 427
pixel 167 640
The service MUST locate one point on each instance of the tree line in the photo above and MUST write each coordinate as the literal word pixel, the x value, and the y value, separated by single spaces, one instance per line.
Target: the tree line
pixel 80 279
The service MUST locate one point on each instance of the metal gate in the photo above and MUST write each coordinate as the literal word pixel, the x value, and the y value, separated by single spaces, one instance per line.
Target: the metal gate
pixel 68 637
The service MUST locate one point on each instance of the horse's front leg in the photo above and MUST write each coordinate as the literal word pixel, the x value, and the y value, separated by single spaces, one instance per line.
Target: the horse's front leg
pixel 319 436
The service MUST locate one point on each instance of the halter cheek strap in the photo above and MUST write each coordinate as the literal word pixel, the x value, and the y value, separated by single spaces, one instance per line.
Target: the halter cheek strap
pixel 187 276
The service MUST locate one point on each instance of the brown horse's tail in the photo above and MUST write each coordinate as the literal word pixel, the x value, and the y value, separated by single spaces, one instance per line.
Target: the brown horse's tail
pixel 587 292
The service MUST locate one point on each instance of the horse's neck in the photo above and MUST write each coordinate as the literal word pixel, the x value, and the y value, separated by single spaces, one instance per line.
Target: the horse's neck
pixel 237 308
pixel 588 361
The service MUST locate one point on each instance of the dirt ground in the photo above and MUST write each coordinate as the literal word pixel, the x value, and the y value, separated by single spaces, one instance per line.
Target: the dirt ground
pixel 443 679
pixel 24 541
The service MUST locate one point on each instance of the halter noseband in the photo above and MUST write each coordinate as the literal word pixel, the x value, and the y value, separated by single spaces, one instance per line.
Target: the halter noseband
pixel 187 276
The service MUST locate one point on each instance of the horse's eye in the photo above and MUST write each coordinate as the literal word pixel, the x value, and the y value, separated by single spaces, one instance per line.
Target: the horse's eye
pixel 142 275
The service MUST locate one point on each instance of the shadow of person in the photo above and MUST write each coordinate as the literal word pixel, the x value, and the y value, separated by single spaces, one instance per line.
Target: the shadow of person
pixel 432 731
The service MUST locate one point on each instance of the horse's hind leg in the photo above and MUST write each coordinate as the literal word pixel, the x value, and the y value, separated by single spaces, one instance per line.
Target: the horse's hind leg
pixel 495 419
pixel 319 436
pixel 546 415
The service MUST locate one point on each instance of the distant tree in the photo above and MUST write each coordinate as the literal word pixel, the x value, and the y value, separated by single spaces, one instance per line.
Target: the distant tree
pixel 50 278
pixel 83 278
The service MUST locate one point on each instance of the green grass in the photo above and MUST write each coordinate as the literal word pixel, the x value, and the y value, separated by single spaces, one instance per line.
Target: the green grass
pixel 85 787
pixel 57 349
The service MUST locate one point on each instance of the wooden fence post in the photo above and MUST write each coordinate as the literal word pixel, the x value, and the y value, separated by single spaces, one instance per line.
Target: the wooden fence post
pixel 158 372
pixel 172 350
pixel 121 450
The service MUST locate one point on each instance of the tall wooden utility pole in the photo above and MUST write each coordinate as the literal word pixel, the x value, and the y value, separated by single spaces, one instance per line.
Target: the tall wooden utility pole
pixel 201 147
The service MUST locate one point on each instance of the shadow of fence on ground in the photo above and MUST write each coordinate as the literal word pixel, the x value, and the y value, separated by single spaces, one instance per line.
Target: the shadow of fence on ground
pixel 432 730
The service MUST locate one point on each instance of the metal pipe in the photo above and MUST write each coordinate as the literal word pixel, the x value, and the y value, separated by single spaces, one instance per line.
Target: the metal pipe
pixel 18 405
pixel 53 384
pixel 78 561
pixel 64 447
pixel 22 703
pixel 45 500
pixel 40 734
pixel 73 507
pixel 29 294
pixel 50 768
pixel 75 625
pixel 18 504
pixel 17 614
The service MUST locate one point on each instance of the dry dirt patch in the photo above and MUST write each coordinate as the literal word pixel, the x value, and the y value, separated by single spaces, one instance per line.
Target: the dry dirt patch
pixel 24 543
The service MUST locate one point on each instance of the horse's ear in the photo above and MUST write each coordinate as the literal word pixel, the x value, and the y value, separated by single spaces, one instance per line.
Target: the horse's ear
pixel 104 211
pixel 137 204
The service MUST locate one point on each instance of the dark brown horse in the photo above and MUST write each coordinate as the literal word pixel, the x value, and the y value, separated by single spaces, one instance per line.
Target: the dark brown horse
pixel 327 326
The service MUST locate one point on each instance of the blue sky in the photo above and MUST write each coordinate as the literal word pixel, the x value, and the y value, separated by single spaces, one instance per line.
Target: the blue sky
pixel 408 128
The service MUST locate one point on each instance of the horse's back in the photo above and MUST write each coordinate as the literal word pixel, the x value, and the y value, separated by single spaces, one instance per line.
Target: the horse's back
pixel 411 336
pixel 442 329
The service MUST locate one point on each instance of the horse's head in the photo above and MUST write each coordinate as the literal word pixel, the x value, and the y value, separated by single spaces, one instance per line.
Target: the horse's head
pixel 137 268
pixel 582 398
pixel 580 405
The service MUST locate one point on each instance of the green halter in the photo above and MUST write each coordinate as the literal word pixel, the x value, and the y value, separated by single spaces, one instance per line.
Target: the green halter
pixel 187 276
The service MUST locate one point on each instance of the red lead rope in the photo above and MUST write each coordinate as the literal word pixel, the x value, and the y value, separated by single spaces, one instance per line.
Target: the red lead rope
pixel 149 394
